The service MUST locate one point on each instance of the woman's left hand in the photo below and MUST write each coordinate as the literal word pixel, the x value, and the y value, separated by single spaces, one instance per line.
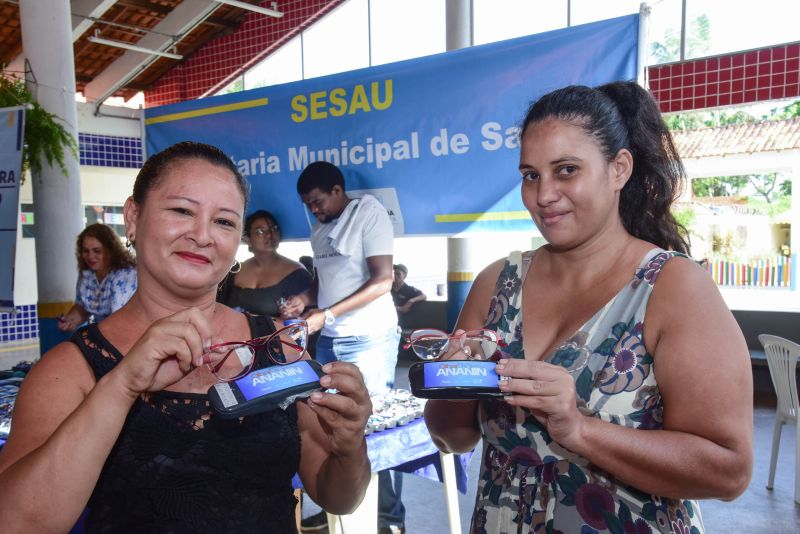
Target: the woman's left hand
pixel 342 415
pixel 548 391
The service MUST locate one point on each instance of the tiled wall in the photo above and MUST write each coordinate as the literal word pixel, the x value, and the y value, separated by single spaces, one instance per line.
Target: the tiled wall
pixel 741 78
pixel 19 326
pixel 220 61
pixel 110 151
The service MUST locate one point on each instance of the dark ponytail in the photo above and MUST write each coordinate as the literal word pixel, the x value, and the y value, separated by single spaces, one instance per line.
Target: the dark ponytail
pixel 623 115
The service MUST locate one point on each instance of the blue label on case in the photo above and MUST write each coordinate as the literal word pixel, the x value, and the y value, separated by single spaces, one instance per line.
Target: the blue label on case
pixel 266 381
pixel 466 373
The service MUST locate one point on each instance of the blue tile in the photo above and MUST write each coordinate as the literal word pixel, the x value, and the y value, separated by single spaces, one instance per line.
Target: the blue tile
pixel 110 151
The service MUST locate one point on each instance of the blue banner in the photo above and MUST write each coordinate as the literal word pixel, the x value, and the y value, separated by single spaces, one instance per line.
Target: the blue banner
pixel 12 138
pixel 434 138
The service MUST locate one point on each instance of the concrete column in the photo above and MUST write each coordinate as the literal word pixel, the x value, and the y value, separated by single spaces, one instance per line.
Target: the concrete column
pixel 47 44
pixel 464 259
pixel 794 230
pixel 460 265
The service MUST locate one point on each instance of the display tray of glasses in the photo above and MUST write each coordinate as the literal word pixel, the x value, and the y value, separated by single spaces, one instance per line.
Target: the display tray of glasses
pixel 393 408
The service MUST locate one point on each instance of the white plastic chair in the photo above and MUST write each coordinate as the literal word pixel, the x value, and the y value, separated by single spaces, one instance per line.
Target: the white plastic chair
pixel 782 356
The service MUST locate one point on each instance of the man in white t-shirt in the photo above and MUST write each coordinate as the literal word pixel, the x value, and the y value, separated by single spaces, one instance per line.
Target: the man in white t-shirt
pixel 353 245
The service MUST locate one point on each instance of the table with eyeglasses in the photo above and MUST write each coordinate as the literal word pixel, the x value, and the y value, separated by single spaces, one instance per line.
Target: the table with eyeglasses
pixel 405 447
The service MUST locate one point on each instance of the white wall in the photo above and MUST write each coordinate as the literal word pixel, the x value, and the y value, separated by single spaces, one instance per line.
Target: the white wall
pixel 25 288
pixel 108 186
pixel 124 122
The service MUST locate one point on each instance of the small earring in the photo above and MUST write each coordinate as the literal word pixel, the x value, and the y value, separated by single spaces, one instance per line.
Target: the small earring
pixel 236 267
pixel 129 241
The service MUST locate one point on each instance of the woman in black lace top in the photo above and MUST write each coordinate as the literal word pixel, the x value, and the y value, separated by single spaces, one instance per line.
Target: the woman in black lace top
pixel 266 278
pixel 119 417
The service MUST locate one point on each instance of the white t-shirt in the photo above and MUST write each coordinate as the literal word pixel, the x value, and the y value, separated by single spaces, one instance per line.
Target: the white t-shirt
pixel 341 249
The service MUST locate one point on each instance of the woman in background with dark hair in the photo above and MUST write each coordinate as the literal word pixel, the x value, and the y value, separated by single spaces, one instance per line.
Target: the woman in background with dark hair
pixel 627 380
pixel 107 277
pixel 266 278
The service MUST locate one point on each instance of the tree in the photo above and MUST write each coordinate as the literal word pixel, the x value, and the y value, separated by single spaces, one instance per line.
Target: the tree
pixel 787 112
pixel 722 117
pixel 234 87
pixel 719 186
pixel 683 121
pixel 697 42
pixel 764 184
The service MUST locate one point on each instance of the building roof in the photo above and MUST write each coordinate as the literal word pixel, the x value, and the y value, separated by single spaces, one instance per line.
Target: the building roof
pixel 765 136
pixel 180 27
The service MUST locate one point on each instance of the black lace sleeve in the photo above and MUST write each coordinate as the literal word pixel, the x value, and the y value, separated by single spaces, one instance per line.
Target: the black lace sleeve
pixel 101 355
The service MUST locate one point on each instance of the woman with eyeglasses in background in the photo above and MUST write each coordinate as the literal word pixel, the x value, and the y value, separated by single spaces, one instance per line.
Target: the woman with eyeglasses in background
pixel 107 277
pixel 627 380
pixel 267 278
pixel 119 417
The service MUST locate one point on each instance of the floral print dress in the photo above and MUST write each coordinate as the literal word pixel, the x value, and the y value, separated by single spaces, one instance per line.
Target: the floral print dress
pixel 529 483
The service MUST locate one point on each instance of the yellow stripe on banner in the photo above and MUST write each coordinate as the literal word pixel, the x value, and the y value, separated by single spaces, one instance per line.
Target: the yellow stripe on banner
pixel 51 310
pixel 208 111
pixel 11 119
pixel 485 216
pixel 460 276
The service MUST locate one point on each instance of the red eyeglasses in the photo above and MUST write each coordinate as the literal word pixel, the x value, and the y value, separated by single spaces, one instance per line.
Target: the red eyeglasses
pixel 282 347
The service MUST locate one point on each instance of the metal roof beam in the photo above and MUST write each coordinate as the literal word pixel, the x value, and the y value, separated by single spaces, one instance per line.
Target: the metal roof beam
pixel 182 20
pixel 79 9
pixel 85 10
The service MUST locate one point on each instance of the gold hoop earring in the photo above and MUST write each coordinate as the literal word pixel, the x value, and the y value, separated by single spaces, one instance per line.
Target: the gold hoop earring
pixel 236 267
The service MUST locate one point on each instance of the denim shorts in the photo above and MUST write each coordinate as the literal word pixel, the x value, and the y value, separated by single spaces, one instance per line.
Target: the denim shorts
pixel 373 354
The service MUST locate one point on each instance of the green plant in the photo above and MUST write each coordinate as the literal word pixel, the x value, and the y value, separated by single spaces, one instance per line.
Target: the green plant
pixel 685 216
pixel 45 136
pixel 725 245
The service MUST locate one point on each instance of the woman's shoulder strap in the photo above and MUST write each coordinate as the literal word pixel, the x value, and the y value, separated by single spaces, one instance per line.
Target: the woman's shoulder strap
pixel 101 356
pixel 654 262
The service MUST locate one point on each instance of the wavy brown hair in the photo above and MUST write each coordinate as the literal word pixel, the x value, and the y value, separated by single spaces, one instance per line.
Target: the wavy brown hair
pixel 119 257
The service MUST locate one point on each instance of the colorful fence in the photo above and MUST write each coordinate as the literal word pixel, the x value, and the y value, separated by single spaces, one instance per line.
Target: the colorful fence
pixel 766 272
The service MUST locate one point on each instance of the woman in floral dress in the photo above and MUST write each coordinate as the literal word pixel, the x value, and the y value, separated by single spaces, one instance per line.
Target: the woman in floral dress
pixel 628 391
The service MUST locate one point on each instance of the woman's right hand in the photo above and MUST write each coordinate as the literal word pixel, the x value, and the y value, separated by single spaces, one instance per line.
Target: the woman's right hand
pixel 548 391
pixel 70 321
pixel 168 350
